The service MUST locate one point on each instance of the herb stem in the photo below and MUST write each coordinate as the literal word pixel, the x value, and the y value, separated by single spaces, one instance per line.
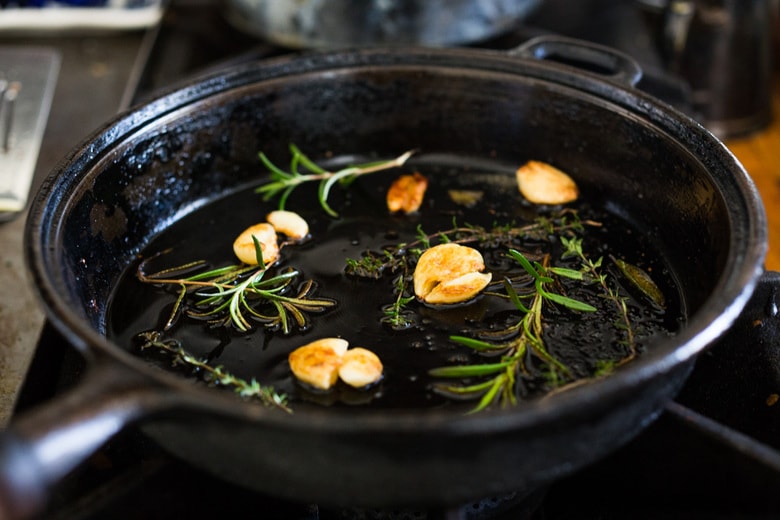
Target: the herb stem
pixel 215 375
pixel 282 183
pixel 237 292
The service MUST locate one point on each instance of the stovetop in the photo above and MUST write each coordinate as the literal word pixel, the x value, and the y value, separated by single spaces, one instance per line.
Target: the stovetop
pixel 714 453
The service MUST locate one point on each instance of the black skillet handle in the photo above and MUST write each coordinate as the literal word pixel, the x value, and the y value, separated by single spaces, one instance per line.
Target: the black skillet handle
pixel 591 57
pixel 45 444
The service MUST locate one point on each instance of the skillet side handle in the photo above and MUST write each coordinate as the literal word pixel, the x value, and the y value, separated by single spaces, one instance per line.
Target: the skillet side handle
pixel 584 55
pixel 45 444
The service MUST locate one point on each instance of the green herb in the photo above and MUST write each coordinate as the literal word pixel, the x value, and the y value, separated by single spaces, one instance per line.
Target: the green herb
pixel 498 381
pixel 402 257
pixel 214 376
pixel 642 281
pixel 526 338
pixel 542 280
pixel 239 294
pixel 283 182
pixel 394 314
pixel 573 248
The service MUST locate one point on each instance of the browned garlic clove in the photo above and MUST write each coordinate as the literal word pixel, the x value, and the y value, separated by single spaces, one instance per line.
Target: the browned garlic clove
pixel 317 363
pixel 244 246
pixel 406 193
pixel 542 183
pixel 459 289
pixel 449 273
pixel 289 224
pixel 466 198
pixel 360 367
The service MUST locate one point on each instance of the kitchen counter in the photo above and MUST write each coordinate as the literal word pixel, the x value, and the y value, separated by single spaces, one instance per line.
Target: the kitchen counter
pixel 97 76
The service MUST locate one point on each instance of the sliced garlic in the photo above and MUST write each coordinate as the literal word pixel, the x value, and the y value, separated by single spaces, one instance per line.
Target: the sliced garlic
pixel 244 246
pixel 467 198
pixel 322 362
pixel 360 367
pixel 542 183
pixel 317 363
pixel 338 345
pixel 289 224
pixel 406 193
pixel 449 273
pixel 459 289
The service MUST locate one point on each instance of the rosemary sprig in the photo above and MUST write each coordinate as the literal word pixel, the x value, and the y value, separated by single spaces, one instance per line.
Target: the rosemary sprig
pixel 525 338
pixel 238 295
pixel 214 376
pixel 283 183
pixel 541 278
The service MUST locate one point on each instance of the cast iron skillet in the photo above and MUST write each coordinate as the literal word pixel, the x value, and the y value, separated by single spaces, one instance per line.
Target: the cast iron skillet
pixel 141 172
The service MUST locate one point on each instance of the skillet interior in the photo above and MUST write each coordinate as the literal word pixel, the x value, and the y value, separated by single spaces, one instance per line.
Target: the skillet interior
pixel 364 223
pixel 657 170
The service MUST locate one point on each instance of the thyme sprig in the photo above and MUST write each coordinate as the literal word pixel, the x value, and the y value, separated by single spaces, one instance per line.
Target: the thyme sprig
pixel 238 295
pixel 573 248
pixel 372 264
pixel 283 183
pixel 525 339
pixel 394 314
pixel 214 376
pixel 401 258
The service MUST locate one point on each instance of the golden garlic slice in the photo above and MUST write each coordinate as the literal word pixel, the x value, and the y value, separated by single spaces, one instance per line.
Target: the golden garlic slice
pixel 360 367
pixel 317 363
pixel 288 223
pixel 407 193
pixel 459 289
pixel 466 198
pixel 542 183
pixel 244 246
pixel 449 273
pixel 338 345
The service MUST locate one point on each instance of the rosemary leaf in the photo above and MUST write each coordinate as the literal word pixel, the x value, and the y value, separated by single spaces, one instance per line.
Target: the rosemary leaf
pixel 475 344
pixel 570 303
pixel 572 274
pixel 490 395
pixel 469 370
pixel 642 281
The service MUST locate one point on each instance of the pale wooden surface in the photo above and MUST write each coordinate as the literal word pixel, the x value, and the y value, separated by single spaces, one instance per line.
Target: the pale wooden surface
pixel 760 154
